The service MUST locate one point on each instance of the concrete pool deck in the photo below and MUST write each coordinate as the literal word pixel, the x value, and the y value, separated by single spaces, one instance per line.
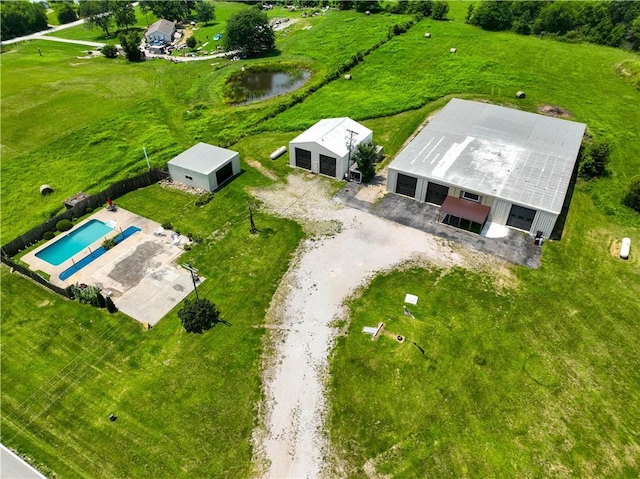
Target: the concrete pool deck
pixel 140 274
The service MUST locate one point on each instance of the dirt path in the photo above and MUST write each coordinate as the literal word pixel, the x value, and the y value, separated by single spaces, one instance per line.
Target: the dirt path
pixel 353 246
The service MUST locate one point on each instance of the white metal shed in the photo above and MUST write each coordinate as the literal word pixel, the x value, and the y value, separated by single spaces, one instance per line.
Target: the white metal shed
pixel 324 148
pixel 204 166
pixel 516 164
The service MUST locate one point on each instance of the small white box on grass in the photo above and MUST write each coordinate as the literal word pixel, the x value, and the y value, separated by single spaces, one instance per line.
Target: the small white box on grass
pixel 411 299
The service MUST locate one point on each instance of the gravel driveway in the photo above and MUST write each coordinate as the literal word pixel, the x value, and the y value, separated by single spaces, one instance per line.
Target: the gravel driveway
pixel 346 248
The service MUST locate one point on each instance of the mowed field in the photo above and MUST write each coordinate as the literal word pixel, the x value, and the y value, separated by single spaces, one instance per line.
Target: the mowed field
pixel 530 374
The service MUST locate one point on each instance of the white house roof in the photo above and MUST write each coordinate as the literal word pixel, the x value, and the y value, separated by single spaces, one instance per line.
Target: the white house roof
pixel 334 134
pixel 162 25
pixel 518 156
pixel 203 158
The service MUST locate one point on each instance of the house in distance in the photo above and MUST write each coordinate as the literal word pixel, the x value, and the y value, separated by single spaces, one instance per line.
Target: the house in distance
pixel 328 146
pixel 204 166
pixel 160 32
pixel 487 163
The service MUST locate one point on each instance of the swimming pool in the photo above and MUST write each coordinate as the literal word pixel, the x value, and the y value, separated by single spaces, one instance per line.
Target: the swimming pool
pixel 63 249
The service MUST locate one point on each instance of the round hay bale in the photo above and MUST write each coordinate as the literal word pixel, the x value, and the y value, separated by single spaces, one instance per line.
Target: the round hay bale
pixel 45 190
pixel 520 94
pixel 453 50
pixel 427 35
pixel 347 77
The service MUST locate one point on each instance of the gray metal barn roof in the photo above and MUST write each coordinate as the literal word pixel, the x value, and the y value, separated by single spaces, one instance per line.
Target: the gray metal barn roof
pixel 518 156
pixel 203 158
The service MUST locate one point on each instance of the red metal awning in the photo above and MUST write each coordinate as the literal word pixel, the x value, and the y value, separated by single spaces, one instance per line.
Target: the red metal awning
pixel 465 209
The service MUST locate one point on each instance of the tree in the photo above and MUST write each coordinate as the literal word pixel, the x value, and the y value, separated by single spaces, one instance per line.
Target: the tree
pixel 123 13
pixel 249 31
pixel 96 14
pixel 205 11
pixel 199 315
pixel 632 198
pixel 130 43
pixel 66 13
pixel 494 16
pixel 365 157
pixel 556 17
pixel 440 10
pixel 635 34
pixel 191 42
pixel 362 6
pixel 110 50
pixel 21 18
pixel 593 159
pixel 169 10
pixel 421 8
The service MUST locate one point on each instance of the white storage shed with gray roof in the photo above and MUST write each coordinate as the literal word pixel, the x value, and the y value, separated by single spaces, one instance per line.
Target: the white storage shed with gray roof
pixel 324 148
pixel 483 162
pixel 204 166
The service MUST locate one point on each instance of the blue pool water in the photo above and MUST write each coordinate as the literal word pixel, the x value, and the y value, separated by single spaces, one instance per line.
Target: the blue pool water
pixel 63 249
pixel 97 253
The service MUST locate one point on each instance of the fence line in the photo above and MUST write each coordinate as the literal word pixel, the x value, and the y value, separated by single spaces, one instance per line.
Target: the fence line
pixel 79 209
pixel 34 235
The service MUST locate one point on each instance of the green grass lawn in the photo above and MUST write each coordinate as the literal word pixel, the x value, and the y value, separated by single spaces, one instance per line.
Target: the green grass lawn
pixel 185 403
pixel 532 378
pixel 535 379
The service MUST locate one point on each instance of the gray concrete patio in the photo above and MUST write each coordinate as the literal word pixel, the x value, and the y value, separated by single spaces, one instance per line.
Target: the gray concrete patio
pixel 516 247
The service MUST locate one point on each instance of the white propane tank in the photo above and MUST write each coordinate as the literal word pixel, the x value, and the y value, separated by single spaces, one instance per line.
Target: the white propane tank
pixel 279 152
pixel 625 247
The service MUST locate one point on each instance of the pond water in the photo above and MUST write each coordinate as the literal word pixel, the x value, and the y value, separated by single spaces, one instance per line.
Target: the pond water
pixel 267 84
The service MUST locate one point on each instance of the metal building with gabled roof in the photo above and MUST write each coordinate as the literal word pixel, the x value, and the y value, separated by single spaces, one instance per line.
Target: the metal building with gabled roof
pixel 324 148
pixel 204 166
pixel 483 162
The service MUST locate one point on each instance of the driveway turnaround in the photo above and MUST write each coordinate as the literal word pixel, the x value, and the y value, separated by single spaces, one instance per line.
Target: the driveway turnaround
pixel 346 249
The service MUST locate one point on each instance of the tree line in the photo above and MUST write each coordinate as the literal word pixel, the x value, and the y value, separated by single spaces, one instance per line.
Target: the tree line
pixel 21 18
pixel 607 22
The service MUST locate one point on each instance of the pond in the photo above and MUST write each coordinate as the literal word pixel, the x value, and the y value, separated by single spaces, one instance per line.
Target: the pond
pixel 260 85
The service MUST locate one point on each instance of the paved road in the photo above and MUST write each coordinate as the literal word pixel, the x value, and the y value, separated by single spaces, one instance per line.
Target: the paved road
pixel 13 467
pixel 40 35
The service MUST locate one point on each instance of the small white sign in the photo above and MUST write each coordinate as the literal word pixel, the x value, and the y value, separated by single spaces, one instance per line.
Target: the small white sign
pixel 411 299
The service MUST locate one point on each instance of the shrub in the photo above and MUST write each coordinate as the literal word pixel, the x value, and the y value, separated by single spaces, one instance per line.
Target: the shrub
pixel 204 199
pixel 110 51
pixel 199 315
pixel 191 42
pixel 167 225
pixel 67 13
pixel 365 157
pixel 100 301
pixel 48 235
pixel 440 10
pixel 86 294
pixel 593 160
pixel 64 225
pixel 109 243
pixel 110 306
pixel 632 198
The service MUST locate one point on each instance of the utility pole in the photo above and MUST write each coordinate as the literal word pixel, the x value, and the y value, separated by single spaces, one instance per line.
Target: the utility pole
pixel 351 136
pixel 194 277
